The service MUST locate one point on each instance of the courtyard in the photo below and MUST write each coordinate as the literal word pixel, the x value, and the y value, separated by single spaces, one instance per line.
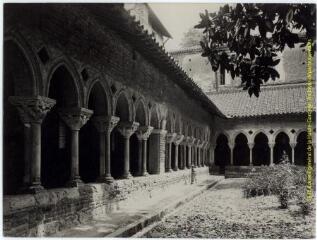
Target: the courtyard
pixel 223 212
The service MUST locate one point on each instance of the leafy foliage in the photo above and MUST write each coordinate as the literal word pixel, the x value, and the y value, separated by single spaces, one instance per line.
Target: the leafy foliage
pixel 245 39
pixel 192 38
pixel 284 180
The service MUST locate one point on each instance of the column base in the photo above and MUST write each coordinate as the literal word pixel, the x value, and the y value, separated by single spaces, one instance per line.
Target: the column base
pixel 74 183
pixel 168 170
pixel 144 174
pixel 175 169
pixel 127 176
pixel 34 188
pixel 105 179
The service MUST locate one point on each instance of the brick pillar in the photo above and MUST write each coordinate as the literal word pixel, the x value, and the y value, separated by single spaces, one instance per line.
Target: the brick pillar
pixel 75 118
pixel 127 129
pixel 105 125
pixel 32 111
pixel 157 148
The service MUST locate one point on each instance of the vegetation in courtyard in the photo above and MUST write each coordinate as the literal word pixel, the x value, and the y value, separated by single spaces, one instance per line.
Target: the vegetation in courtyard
pixel 245 39
pixel 284 180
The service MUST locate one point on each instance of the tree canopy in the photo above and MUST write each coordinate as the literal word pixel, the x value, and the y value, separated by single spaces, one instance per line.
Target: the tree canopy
pixel 244 39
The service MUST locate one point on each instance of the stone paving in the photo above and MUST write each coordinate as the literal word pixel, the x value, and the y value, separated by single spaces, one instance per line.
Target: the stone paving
pixel 222 212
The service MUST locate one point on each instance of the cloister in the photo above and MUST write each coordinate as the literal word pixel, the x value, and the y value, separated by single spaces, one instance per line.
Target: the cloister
pixel 260 148
pixel 93 135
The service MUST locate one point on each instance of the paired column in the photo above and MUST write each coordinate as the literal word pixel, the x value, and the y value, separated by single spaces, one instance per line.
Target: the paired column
pixel 251 145
pixel 32 111
pixel 127 129
pixel 212 154
pixel 75 118
pixel 105 125
pixel 143 134
pixel 177 141
pixel 190 141
pixel 170 137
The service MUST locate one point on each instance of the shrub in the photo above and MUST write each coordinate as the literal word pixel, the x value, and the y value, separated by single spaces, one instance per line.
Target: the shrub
pixel 284 180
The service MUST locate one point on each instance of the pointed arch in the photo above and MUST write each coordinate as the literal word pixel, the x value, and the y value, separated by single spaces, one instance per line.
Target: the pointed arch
pixel 122 106
pixel 141 112
pixel 154 117
pixel 100 88
pixel 64 63
pixel 261 150
pixel 18 39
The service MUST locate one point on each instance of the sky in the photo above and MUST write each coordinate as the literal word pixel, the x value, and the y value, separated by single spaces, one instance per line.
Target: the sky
pixel 178 18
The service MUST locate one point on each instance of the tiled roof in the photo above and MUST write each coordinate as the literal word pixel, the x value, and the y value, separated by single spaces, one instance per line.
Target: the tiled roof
pixel 273 100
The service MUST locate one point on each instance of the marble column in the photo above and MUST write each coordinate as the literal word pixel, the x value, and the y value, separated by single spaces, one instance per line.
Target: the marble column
pixel 143 134
pixel 184 162
pixel 231 146
pixel 178 139
pixel 105 125
pixel 271 145
pixel 32 111
pixel 251 145
pixel 127 129
pixel 75 118
pixel 212 154
pixel 293 145
pixel 170 137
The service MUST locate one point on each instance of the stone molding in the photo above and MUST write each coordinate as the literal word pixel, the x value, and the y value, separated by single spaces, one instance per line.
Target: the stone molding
pixel 143 132
pixel 75 118
pixel 170 137
pixel 127 128
pixel 32 109
pixel 159 131
pixel 105 123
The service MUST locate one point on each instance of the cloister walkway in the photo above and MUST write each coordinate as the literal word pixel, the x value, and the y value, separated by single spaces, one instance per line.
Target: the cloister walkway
pixel 143 209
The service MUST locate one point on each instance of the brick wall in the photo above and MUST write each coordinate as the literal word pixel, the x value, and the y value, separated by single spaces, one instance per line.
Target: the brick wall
pixel 50 211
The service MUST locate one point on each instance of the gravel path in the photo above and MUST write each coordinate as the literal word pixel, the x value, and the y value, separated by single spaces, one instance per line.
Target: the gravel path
pixel 222 212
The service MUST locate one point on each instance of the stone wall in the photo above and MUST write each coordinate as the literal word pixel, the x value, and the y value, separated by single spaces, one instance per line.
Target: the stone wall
pixel 50 211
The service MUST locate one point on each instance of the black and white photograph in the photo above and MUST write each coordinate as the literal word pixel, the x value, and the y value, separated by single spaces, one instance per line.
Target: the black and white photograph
pixel 158 120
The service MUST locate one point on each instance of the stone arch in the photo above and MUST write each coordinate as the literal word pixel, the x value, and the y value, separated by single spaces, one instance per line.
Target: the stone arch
pixel 220 133
pixel 284 130
pixel 252 138
pixel 89 160
pixel 261 150
pixel 122 106
pixel 56 134
pixel 222 151
pixel 235 134
pixel 297 133
pixel 18 80
pixel 190 130
pixel 178 125
pixel 104 92
pixel 63 62
pixel 282 143
pixel 154 117
pixel 241 152
pixel 169 123
pixel 31 58
pixel 141 112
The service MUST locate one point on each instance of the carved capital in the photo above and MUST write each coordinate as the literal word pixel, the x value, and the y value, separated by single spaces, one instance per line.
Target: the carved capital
pixel 179 138
pixel 127 128
pixel 75 118
pixel 32 109
pixel 190 141
pixel 251 145
pixel 170 137
pixel 292 144
pixel 105 123
pixel 144 132
pixel 271 144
